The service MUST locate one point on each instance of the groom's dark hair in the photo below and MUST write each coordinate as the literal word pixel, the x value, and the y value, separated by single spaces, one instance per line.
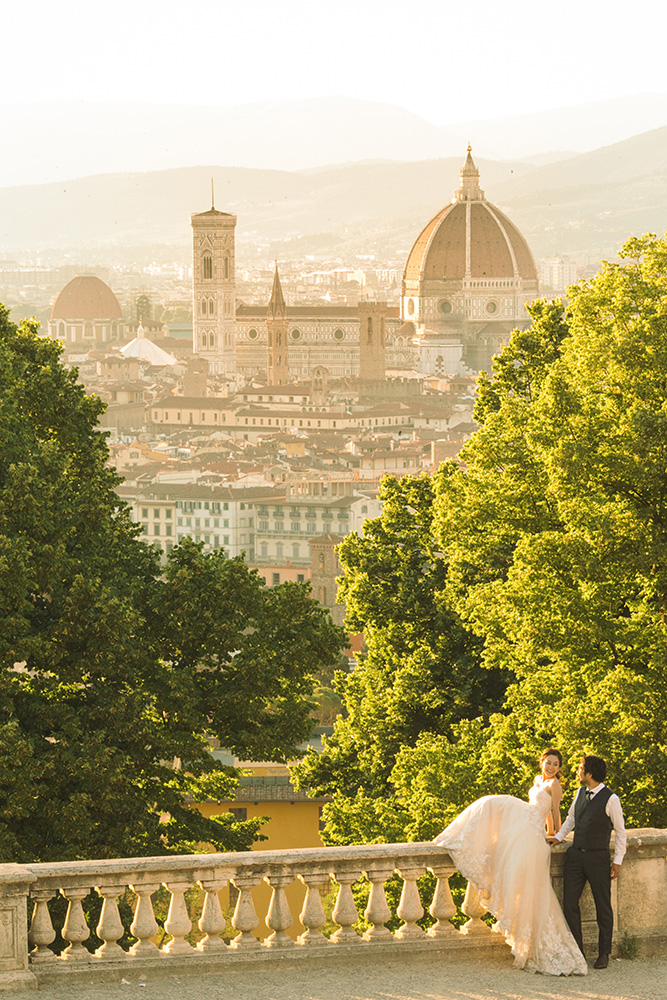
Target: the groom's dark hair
pixel 596 767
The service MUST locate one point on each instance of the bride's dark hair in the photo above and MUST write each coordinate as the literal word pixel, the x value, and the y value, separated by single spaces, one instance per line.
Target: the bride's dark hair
pixel 552 752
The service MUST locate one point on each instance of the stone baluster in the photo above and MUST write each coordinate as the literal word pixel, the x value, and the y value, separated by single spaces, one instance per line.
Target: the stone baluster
pixel 41 933
pixel 345 911
pixel 144 926
pixel 76 929
pixel 212 921
pixel 245 919
pixel 410 908
pixel 110 928
pixel 178 922
pixel 377 912
pixel 312 915
pixel 474 908
pixel 279 917
pixel 442 905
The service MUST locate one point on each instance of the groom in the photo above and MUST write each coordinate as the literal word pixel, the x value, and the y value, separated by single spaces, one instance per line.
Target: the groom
pixel 594 813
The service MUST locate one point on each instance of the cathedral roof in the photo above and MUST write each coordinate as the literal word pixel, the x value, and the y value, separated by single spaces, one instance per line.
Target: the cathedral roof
pixel 86 297
pixel 470 237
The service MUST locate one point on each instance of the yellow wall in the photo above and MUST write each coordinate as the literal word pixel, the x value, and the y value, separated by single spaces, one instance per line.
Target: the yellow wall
pixel 290 824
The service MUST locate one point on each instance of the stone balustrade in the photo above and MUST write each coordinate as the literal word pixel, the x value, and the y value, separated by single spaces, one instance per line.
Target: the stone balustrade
pixel 28 959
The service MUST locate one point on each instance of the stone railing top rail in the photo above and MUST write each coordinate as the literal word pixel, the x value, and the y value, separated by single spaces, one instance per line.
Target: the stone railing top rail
pixel 225 865
pixel 329 859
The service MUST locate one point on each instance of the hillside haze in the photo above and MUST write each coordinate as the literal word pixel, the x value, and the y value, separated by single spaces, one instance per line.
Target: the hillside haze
pixel 587 204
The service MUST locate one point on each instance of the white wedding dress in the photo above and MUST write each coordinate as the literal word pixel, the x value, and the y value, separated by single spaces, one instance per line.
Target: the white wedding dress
pixel 498 843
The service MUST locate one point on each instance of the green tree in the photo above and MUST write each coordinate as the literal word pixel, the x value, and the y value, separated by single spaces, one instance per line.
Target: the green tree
pixel 556 533
pixel 143 308
pixel 421 672
pixel 113 672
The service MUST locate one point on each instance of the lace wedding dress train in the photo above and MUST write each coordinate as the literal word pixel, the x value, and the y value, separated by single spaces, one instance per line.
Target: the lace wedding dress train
pixel 498 844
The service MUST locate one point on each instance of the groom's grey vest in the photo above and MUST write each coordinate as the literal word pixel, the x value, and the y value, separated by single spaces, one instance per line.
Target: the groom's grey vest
pixel 592 826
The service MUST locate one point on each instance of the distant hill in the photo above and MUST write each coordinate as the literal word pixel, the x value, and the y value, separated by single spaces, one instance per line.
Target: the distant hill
pixel 585 204
pixel 46 142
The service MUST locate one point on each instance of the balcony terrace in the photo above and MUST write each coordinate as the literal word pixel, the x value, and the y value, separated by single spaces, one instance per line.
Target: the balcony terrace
pixel 259 948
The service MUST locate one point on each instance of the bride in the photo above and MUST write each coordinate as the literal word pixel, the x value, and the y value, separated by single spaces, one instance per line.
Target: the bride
pixel 499 844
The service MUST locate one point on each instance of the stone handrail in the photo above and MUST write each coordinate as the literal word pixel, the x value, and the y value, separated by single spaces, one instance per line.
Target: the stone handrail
pixel 28 961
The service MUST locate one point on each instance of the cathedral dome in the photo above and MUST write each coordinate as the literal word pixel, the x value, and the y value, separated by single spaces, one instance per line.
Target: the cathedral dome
pixel 86 297
pixel 470 238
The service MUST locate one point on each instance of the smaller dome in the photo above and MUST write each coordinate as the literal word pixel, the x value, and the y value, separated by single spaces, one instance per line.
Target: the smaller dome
pixel 86 297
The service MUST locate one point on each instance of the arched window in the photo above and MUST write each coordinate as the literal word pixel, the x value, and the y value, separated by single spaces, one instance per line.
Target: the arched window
pixel 211 306
pixel 88 330
pixel 202 308
pixel 226 267
pixel 322 560
pixel 211 340
pixel 369 330
pixel 203 340
pixel 207 265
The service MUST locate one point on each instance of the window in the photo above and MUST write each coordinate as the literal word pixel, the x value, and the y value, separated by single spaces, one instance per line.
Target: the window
pixel 168 529
pixel 144 512
pixel 207 265
pixel 311 527
pixel 156 529
pixel 295 551
pixel 264 550
pixel 167 514
pixel 279 525
pixel 262 526
pixel 279 550
pixel 156 512
pixel 300 577
pixel 239 813
pixel 275 579
pixel 295 525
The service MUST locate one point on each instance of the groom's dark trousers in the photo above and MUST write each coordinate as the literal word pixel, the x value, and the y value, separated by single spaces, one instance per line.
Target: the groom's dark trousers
pixel 594 867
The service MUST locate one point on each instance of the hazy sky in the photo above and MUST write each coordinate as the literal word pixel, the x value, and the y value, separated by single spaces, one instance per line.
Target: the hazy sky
pixel 446 61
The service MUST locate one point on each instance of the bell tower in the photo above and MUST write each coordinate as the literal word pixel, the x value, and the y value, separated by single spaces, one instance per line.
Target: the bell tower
pixel 214 289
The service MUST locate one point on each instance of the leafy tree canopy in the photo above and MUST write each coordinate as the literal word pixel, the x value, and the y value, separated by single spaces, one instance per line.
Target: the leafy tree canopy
pixel 114 671
pixel 556 534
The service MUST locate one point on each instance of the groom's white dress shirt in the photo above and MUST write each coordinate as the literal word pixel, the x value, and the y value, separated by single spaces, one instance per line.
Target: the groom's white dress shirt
pixel 614 811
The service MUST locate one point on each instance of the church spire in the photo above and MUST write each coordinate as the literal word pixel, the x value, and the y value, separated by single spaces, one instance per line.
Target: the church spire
pixel 277 308
pixel 469 189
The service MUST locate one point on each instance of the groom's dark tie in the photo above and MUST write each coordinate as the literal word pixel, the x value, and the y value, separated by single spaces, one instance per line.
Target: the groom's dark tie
pixel 589 795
